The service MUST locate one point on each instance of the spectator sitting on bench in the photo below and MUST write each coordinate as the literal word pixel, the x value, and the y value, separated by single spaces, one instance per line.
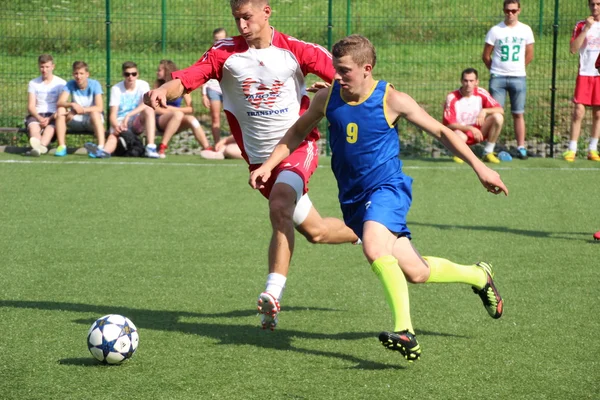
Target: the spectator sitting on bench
pixel 42 95
pixel 175 118
pixel 128 112
pixel 84 112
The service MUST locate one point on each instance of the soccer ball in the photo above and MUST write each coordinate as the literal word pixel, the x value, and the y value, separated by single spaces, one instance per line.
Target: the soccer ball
pixel 112 339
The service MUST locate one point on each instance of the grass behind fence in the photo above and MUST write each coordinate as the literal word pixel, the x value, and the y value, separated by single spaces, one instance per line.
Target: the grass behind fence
pixel 179 246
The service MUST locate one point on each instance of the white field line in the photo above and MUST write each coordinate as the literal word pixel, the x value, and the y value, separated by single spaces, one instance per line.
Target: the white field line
pixel 237 165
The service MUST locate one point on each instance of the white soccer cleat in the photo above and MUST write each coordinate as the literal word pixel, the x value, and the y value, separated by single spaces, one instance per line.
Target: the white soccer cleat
pixel 269 308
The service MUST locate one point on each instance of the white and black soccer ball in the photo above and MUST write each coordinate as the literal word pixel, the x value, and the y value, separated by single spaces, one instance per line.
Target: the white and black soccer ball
pixel 112 339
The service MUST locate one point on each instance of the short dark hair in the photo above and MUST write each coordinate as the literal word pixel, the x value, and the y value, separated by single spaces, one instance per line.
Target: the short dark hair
pixel 235 4
pixel 127 65
pixel 44 58
pixel 77 65
pixel 507 2
pixel 469 71
pixel 219 30
pixel 358 47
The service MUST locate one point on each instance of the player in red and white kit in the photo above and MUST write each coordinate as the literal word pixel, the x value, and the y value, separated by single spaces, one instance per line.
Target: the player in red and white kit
pixel 261 73
pixel 474 115
pixel 586 41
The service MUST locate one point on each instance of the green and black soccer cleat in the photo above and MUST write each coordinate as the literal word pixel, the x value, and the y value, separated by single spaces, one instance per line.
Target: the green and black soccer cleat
pixel 404 342
pixel 489 295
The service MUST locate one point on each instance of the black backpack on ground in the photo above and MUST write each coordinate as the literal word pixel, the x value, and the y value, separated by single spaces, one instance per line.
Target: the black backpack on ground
pixel 129 145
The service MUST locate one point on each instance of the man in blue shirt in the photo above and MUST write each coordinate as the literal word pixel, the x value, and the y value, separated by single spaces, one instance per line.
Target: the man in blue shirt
pixel 83 112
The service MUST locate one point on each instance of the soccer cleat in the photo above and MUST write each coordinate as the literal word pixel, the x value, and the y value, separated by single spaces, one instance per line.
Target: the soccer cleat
pixel 458 160
pixel 151 151
pixel 404 342
pixel 269 308
pixel 569 155
pixel 593 155
pixel 491 158
pixel 492 301
pixel 161 150
pixel 37 148
pixel 522 153
pixel 597 235
pixel 61 151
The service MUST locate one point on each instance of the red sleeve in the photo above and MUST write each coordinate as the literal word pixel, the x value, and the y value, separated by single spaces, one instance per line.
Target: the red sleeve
pixel 210 65
pixel 487 100
pixel 577 30
pixel 312 58
pixel 449 110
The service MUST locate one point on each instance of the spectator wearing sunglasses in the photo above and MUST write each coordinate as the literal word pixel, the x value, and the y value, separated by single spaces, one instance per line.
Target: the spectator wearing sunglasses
pixel 508 50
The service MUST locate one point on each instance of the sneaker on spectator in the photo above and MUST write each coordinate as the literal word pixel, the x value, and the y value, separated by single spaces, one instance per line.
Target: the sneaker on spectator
pixel 161 150
pixel 151 151
pixel 491 158
pixel 212 155
pixel 61 151
pixel 569 155
pixel 101 153
pixel 37 145
pixel 92 149
pixel 522 153
pixel 593 155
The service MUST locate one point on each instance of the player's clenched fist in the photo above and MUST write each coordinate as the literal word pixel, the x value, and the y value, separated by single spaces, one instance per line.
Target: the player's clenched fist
pixel 156 98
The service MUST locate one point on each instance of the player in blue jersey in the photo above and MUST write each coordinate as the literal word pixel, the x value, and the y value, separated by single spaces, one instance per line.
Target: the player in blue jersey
pixel 374 194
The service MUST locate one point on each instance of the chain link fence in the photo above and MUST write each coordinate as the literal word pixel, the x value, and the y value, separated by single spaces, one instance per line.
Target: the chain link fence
pixel 421 46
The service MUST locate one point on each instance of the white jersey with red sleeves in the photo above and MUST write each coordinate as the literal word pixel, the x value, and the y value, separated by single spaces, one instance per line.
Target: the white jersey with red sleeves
pixel 589 50
pixel 464 110
pixel 263 89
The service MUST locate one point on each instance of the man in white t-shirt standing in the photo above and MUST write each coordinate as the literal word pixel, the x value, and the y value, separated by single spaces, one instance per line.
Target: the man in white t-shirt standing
pixel 128 112
pixel 586 42
pixel 473 114
pixel 508 50
pixel 42 95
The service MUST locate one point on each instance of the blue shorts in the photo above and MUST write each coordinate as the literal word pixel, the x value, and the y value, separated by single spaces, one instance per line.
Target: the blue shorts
pixel 213 95
pixel 387 204
pixel 516 86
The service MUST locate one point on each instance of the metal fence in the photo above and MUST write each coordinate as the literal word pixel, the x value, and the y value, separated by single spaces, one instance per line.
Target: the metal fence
pixel 421 46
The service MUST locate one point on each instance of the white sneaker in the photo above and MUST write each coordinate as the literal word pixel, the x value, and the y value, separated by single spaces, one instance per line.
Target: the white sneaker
pixel 151 151
pixel 269 308
pixel 37 146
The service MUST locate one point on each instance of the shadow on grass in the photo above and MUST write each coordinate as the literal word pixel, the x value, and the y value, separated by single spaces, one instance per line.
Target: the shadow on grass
pixel 224 334
pixel 503 229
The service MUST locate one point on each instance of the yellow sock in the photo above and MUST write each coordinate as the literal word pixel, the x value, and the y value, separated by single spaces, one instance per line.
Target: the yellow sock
pixel 446 271
pixel 396 291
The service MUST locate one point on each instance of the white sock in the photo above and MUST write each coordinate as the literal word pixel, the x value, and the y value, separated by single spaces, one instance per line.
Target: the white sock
pixel 593 144
pixel 101 147
pixel 151 146
pixel 275 285
pixel 489 148
pixel 573 145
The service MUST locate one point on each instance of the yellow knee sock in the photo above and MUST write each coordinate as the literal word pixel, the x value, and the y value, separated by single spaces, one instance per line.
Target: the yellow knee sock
pixel 396 291
pixel 442 270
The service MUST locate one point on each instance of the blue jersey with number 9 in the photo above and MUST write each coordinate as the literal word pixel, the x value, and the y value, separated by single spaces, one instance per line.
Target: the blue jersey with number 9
pixel 364 143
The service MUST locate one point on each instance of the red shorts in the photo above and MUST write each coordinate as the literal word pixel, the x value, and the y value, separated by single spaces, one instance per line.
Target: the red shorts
pixel 470 138
pixel 587 90
pixel 303 161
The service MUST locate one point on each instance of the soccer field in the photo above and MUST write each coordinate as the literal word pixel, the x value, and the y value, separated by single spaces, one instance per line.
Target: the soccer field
pixel 179 246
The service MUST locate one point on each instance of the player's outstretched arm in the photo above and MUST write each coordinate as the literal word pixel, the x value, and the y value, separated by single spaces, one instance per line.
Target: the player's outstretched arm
pixel 405 106
pixel 158 97
pixel 291 140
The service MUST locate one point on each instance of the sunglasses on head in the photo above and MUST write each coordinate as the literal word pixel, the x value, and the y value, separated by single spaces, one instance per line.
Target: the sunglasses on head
pixel 511 10
pixel 127 74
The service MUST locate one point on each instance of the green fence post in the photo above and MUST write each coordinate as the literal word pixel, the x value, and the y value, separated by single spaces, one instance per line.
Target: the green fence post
pixel 553 87
pixel 541 20
pixel 348 22
pixel 163 39
pixel 108 23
